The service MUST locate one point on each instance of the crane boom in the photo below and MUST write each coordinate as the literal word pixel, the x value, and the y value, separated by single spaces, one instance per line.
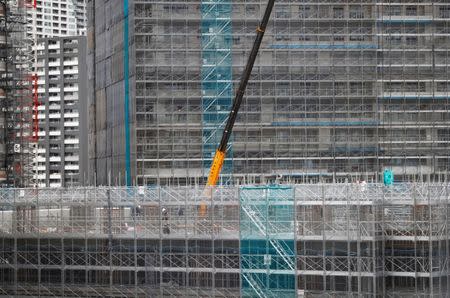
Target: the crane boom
pixel 219 156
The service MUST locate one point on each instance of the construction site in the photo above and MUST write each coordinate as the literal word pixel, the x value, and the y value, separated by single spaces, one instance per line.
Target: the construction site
pixel 309 240
pixel 332 181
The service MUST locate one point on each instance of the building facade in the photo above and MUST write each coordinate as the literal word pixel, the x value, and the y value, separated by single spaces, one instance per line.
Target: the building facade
pixel 81 16
pixel 61 68
pixel 57 18
pixel 339 91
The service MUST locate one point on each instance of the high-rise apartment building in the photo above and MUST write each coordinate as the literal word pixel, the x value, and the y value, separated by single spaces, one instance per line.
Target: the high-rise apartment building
pixel 81 15
pixel 23 23
pixel 339 91
pixel 55 18
pixel 61 66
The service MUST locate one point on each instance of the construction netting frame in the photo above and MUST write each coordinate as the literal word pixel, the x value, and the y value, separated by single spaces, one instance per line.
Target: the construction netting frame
pixel 267 241
pixel 217 82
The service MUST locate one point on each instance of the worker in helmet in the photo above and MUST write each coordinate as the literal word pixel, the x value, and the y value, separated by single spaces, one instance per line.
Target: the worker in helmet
pixel 165 220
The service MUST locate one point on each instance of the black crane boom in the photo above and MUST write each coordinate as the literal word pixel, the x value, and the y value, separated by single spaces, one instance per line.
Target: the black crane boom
pixel 219 156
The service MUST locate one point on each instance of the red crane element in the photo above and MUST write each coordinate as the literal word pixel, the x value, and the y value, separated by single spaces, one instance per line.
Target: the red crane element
pixel 28 3
pixel 36 104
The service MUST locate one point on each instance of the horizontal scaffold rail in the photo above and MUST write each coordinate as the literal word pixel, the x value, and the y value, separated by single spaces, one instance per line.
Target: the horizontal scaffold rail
pixel 408 193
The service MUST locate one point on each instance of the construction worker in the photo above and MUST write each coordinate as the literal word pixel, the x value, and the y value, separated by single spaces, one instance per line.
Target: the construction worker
pixel 165 220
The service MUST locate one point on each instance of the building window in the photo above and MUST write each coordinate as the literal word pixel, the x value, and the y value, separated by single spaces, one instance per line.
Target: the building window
pixel 395 10
pixel 444 12
pixel 411 10
pixel 304 12
pixel 356 12
pixel 338 12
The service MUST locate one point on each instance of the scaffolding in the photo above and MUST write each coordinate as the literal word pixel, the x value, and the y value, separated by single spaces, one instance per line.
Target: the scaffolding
pixel 339 90
pixel 17 88
pixel 310 240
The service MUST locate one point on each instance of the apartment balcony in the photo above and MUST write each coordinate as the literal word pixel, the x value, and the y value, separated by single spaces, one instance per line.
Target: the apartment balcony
pixel 71 115
pixel 54 116
pixel 71 124
pixel 54 98
pixel 71 158
pixel 71 71
pixel 71 97
pixel 54 64
pixel 54 72
pixel 71 167
pixel 71 89
pixel 71 141
pixel 53 46
pixel 54 90
pixel 71 63
pixel 54 133
pixel 54 107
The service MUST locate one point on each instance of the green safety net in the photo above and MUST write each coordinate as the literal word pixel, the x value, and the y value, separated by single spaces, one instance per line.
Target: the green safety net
pixel 267 242
pixel 217 84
